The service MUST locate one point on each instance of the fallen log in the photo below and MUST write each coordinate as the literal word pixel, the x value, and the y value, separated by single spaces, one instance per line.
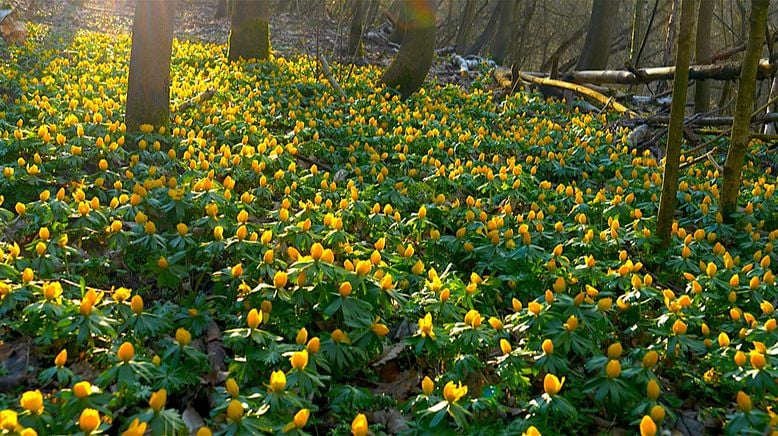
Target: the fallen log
pixel 724 71
pixel 325 68
pixel 701 121
pixel 503 76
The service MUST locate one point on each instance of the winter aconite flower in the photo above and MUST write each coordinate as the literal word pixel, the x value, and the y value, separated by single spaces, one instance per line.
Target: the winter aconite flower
pixel 552 385
pixel 126 352
pixel 89 420
pixel 235 410
pixel 647 426
pixel 427 385
pixel 744 402
pixel 136 428
pixel 299 360
pixel 453 392
pixel 359 425
pixel 232 387
pixel 82 389
pixel 158 400
pixel 277 381
pixel 61 359
pixel 32 401
pixel 425 326
pixel 183 337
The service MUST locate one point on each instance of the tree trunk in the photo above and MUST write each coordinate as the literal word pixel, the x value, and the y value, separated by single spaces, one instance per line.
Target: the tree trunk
pixel 148 84
pixel 728 71
pixel 468 16
pixel 769 129
pixel 488 32
pixel 399 11
pixel 672 18
pixel 250 30
pixel 221 9
pixel 502 40
pixel 409 68
pixel 668 199
pixel 738 142
pixel 703 54
pixel 638 30
pixel 358 10
pixel 597 47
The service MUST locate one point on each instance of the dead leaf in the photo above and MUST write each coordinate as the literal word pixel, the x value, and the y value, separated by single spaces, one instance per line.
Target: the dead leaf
pixel 389 353
pixel 399 389
pixel 192 420
pixel 393 421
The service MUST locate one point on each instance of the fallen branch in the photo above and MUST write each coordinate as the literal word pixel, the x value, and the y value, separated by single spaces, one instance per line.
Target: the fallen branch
pixel 703 121
pixel 204 96
pixel 325 68
pixel 728 71
pixel 504 76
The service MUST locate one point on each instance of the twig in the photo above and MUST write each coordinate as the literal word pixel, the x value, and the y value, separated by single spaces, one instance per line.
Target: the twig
pixel 205 95
pixel 325 68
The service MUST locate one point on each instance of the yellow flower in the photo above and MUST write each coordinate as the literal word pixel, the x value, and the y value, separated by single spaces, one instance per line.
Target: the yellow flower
pixel 425 326
pixel 379 329
pixel 453 392
pixel 614 350
pixel 279 279
pixel 299 360
pixel 613 369
pixel 757 359
pixel 653 390
pixel 473 318
pixel 8 420
pixel 534 307
pixel 235 411
pixel 232 387
pixel 302 336
pixel 679 327
pixel 505 346
pixel 650 359
pixel 359 425
pixel 531 431
pixel 339 336
pixel 723 340
pixel 204 431
pixel 744 402
pixel 571 324
pixel 183 337
pixel 427 385
pixel 301 418
pixel 316 251
pixel 740 358
pixel 254 318
pixel 647 426
pixel 313 345
pixel 89 420
pixel 82 389
pixel 657 413
pixel 158 400
pixel 137 304
pixel 345 289
pixel 32 401
pixel 277 381
pixel 126 352
pixel 552 385
pixel 28 275
pixel 547 346
pixel 61 359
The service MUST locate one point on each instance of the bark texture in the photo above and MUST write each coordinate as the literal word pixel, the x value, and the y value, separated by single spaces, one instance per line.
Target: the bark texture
pixel 359 11
pixel 148 84
pixel 667 201
pixel 597 46
pixel 738 141
pixel 502 40
pixel 409 68
pixel 703 54
pixel 250 30
pixel 465 26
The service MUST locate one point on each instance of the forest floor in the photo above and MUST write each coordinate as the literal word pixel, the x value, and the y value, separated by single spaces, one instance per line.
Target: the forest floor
pixel 291 33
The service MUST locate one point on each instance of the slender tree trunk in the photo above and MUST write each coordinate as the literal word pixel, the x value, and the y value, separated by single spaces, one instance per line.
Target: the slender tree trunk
pixel 738 141
pixel 703 54
pixel 672 18
pixel 148 84
pixel 358 10
pixel 250 30
pixel 769 129
pixel 502 40
pixel 668 199
pixel 400 23
pixel 488 33
pixel 221 9
pixel 409 68
pixel 638 30
pixel 597 46
pixel 463 33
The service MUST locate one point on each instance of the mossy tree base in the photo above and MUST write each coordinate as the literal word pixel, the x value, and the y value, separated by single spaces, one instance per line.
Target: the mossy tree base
pixel 250 30
pixel 409 68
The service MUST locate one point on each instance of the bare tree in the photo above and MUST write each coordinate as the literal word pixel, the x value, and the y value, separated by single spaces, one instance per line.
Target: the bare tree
pixel 463 33
pixel 738 141
pixel 597 47
pixel 148 84
pixel 683 56
pixel 502 40
pixel 409 68
pixel 250 30
pixel 358 12
pixel 703 54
